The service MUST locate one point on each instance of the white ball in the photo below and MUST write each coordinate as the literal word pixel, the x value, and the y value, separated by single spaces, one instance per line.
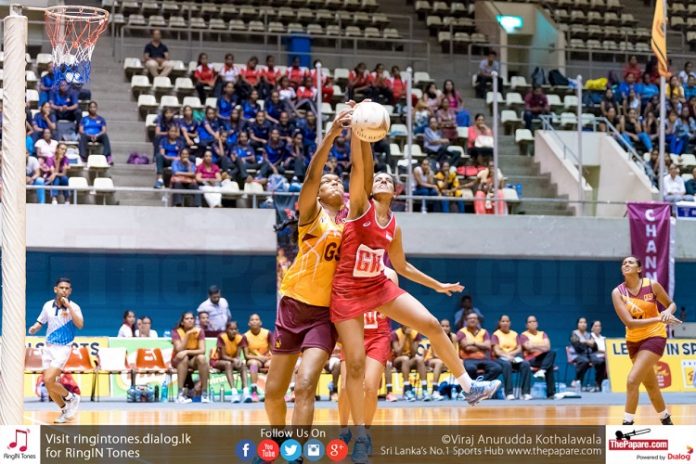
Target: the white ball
pixel 370 121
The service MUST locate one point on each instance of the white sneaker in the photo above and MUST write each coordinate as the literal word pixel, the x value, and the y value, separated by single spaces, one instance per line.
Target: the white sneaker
pixel 246 397
pixel 510 397
pixel 71 407
pixel 54 201
pixel 236 398
pixel 526 397
pixel 63 418
pixel 575 384
pixel 181 399
pixel 540 374
pixel 67 202
pixel 437 396
pixel 205 398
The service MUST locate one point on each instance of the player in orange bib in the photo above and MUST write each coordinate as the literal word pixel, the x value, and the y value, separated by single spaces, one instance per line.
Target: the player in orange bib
pixel 303 323
pixel 636 303
pixel 226 357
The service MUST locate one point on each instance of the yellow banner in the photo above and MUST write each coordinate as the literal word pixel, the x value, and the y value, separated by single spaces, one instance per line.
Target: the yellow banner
pixel 658 41
pixel 675 371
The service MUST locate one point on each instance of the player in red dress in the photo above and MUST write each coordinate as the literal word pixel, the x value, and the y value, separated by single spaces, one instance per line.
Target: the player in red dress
pixel 360 286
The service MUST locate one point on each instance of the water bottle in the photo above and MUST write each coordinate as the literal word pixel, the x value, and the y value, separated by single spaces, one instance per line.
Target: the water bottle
pixel 164 391
pixel 518 187
pixel 167 334
pixel 157 392
pixel 132 394
pixel 222 393
pixel 605 386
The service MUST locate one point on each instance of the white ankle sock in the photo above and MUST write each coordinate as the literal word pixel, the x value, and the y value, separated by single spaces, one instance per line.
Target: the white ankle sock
pixel 465 382
pixel 664 414
pixel 628 417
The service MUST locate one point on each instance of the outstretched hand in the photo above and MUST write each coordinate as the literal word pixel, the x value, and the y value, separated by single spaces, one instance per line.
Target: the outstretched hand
pixel 672 321
pixel 449 289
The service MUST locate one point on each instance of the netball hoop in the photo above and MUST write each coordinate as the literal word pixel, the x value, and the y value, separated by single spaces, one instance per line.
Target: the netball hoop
pixel 73 32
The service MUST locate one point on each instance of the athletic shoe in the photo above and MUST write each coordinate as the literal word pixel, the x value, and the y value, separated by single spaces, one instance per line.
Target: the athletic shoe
pixel 526 397
pixel 461 396
pixel 183 399
pixel 360 449
pixel 63 418
pixel 481 390
pixel 158 184
pixel 391 397
pixel 627 423
pixel 246 397
pixel 345 435
pixel 575 384
pixel 437 396
pixel 409 395
pixel 510 397
pixel 205 398
pixel 427 396
pixel 54 201
pixel 236 398
pixel 667 421
pixel 540 374
pixel 254 397
pixel 334 397
pixel 71 407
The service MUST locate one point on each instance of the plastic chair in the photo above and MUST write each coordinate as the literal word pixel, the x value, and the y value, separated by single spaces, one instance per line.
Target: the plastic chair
pixel 33 361
pixel 80 362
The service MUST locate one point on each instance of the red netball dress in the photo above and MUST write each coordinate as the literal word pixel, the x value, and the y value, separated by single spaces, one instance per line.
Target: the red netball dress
pixel 360 284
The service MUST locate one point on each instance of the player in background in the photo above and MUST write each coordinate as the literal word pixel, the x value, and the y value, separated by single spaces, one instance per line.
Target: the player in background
pixel 636 303
pixel 227 358
pixel 64 318
pixel 257 351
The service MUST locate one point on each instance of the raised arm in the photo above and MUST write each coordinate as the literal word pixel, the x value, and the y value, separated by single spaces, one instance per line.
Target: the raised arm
pixel 408 270
pixel 369 163
pixel 307 202
pixel 358 195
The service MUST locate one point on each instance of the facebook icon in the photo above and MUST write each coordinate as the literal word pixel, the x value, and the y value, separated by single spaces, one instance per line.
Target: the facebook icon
pixel 245 450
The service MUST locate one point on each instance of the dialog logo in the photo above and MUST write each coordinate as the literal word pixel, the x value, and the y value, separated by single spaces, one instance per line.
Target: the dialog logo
pixel 314 450
pixel 245 450
pixel 291 450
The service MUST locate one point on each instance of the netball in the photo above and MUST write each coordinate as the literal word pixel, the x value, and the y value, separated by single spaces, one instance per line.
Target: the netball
pixel 370 121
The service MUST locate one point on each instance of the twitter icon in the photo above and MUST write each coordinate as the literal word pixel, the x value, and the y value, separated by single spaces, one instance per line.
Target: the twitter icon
pixel 291 450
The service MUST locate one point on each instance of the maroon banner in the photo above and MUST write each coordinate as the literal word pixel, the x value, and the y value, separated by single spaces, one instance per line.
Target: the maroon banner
pixel 650 225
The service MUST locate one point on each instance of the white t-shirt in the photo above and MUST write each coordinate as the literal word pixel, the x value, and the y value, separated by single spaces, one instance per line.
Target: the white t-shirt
pixel 61 329
pixel 153 334
pixel 125 331
pixel 46 149
pixel 674 186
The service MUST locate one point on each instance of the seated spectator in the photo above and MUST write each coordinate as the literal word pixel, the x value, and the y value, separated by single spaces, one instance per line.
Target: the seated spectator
pixel 675 90
pixel 613 118
pixel 381 89
pixel 156 56
pixel 268 78
pixel 424 183
pixel 188 127
pixel 146 330
pixel 296 73
pixel 286 127
pixel 599 354
pixel 479 143
pixel 203 320
pixel 306 95
pixel 447 121
pixel 435 143
pixel 46 170
pixel 33 177
pixel 536 348
pixel 340 150
pixel 274 108
pixel 677 133
pixel 632 102
pixel 226 102
pixel 647 89
pixel 432 97
pixel 448 186
pixel 127 329
pixel 690 184
pixel 210 133
pixel 632 69
pixel 608 102
pixel 287 94
pixel 421 117
pixel 632 131
pixel 64 103
pixel 235 126
pixel 46 146
pixel 332 167
pixel 60 164
pixel 205 78
pixel 584 345
pixel 651 129
pixel 466 306
pixel 404 342
pixel 686 73
pixel 507 350
pixel 259 131
pixel 164 121
pixel 434 362
pixel 227 73
pixel 46 84
pixel 274 150
pixel 359 83
pixel 690 90
pixel 397 86
pixel 249 77
pixel 535 105
pixel 297 156
pixel 251 106
pixel 218 308
pixel 93 130
pixel 44 119
pixel 184 178
pixel 475 350
pixel 189 355
pixel 257 351
pixel 626 86
pixel 227 358
pixel 209 178
pixel 675 189
pixel 452 96
pixel 169 149
pixel 484 201
pixel 246 153
pixel 308 126
pixel 485 74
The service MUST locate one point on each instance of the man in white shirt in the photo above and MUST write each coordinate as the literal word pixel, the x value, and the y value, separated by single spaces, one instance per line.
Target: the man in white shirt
pixel 64 318
pixel 218 309
pixel 675 189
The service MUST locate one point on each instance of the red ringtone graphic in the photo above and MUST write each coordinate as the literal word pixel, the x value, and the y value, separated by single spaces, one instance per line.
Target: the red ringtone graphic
pixel 268 450
pixel 337 450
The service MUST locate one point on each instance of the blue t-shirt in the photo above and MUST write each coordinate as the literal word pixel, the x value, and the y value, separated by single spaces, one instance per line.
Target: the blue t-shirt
pixel 47 81
pixel 245 153
pixel 275 154
pixel 171 149
pixel 340 153
pixel 225 107
pixel 190 127
pixel 260 131
pixel 287 130
pixel 178 166
pixel 163 124
pixel 249 109
pixel 689 92
pixel 92 126
pixel 203 133
pixel 647 91
pixel 40 120
pixel 273 109
pixel 62 99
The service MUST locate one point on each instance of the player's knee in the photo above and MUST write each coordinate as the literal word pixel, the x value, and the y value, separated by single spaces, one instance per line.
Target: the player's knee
pixel 371 391
pixel 632 382
pixel 356 368
pixel 304 387
pixel 432 327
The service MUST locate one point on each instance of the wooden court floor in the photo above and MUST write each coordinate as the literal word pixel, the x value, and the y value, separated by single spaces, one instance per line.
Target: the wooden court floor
pixel 452 413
